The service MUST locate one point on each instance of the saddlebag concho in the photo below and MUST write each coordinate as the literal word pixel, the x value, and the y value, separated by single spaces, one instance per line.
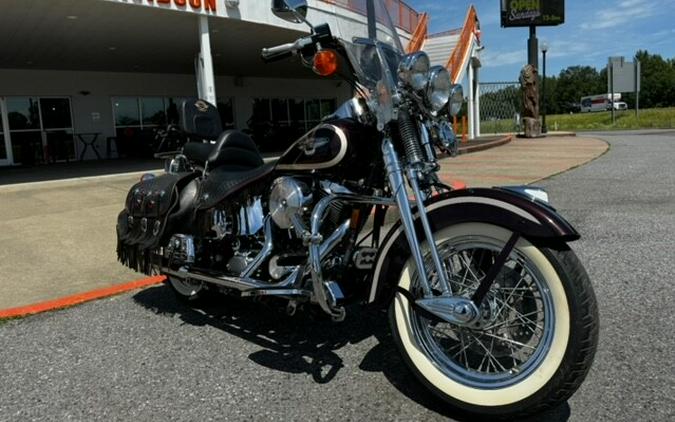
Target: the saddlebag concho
pixel 141 226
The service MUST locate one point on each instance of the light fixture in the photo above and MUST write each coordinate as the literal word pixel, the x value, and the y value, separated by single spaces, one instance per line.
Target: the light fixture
pixel 112 48
pixel 544 47
pixel 71 17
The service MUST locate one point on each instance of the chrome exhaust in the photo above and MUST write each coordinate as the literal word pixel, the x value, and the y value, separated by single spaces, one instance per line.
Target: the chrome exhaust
pixel 252 287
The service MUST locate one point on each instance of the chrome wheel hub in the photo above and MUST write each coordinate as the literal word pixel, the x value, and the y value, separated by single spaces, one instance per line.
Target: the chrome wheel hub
pixel 504 340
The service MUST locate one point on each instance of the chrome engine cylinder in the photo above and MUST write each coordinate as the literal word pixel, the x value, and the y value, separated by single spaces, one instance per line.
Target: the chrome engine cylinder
pixel 287 199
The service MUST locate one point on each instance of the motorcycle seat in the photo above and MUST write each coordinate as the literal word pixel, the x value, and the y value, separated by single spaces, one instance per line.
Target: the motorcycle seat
pixel 233 149
pixel 226 180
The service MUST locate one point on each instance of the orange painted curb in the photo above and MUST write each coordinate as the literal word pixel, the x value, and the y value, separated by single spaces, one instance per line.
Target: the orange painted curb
pixel 76 299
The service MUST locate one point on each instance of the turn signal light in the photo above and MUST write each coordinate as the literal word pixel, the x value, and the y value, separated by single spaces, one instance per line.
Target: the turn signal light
pixel 325 62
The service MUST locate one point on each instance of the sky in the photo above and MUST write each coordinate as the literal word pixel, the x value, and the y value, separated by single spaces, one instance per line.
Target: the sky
pixel 593 31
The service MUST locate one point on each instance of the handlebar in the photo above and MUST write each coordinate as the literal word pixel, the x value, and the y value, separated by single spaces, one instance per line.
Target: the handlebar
pixel 284 50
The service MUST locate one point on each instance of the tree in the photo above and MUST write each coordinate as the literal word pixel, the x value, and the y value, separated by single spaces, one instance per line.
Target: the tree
pixel 576 82
pixel 658 80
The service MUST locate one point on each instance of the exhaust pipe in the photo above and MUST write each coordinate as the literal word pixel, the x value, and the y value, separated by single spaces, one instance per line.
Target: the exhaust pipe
pixel 246 283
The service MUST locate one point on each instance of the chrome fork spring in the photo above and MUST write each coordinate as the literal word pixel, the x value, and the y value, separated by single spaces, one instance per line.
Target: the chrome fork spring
pixel 408 131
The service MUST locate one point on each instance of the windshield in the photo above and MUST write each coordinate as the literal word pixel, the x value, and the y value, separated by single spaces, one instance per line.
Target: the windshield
pixel 362 24
pixel 365 27
pixel 353 17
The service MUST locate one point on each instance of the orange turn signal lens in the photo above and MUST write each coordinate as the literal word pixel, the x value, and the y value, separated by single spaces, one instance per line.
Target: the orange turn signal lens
pixel 325 62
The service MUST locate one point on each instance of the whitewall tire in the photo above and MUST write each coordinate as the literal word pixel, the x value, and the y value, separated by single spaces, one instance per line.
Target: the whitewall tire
pixel 561 348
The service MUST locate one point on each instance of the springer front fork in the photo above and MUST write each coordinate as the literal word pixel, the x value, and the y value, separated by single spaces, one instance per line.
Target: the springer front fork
pixel 395 175
pixel 436 303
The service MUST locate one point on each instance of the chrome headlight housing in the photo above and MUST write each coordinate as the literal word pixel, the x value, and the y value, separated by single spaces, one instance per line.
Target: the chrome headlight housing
pixel 439 88
pixel 456 99
pixel 414 70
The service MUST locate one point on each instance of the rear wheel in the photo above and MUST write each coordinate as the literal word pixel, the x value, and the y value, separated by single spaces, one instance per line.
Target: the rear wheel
pixel 536 337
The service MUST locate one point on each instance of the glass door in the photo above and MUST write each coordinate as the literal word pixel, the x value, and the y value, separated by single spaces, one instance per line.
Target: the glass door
pixel 25 131
pixel 57 129
pixel 5 147
pixel 40 129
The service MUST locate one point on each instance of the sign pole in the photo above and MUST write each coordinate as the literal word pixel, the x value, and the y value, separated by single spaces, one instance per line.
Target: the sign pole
pixel 533 48
pixel 637 89
pixel 611 87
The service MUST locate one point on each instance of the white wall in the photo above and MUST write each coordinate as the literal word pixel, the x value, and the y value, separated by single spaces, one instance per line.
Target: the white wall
pixel 259 11
pixel 102 86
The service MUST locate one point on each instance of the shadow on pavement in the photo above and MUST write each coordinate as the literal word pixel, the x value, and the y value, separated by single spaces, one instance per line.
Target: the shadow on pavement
pixel 76 169
pixel 307 341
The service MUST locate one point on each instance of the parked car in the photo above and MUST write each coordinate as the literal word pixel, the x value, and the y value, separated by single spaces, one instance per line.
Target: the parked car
pixel 619 105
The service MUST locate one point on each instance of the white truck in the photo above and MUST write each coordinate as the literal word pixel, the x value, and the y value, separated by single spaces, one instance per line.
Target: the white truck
pixel 602 102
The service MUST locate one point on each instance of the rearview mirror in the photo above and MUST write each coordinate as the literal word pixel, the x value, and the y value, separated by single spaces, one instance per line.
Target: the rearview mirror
pixel 290 10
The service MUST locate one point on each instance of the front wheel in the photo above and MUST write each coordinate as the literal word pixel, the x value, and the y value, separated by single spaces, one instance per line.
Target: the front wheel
pixel 536 337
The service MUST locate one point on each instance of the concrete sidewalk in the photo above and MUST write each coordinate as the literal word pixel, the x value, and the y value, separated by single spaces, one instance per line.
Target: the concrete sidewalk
pixel 58 238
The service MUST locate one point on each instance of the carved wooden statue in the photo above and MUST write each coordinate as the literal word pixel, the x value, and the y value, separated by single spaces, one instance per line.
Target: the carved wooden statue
pixel 529 83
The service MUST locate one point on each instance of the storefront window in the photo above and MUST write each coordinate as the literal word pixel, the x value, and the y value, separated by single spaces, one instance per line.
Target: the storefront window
pixel 275 123
pixel 312 110
pixel 23 113
pixel 280 110
pixel 127 112
pixel 327 107
pixel 172 107
pixel 55 113
pixel 3 148
pixel 226 110
pixel 154 111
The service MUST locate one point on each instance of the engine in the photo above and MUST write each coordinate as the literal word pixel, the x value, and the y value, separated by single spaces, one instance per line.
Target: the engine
pixel 231 236
pixel 228 238
pixel 287 200
pixel 291 202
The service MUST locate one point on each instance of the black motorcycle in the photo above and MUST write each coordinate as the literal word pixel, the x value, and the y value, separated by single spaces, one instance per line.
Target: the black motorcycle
pixel 488 306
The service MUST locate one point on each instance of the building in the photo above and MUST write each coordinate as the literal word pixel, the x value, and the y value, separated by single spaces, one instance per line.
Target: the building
pixel 94 78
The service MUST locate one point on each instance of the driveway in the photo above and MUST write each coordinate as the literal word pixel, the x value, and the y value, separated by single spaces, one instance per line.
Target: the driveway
pixel 144 356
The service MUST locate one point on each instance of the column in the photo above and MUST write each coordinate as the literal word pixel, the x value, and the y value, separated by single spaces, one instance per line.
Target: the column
pixel 471 105
pixel 206 85
pixel 477 103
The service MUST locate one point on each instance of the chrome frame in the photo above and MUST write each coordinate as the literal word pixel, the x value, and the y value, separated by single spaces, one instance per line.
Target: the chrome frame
pixel 264 253
pixel 324 291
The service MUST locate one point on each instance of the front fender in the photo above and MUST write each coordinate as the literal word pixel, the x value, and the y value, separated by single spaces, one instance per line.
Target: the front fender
pixel 532 219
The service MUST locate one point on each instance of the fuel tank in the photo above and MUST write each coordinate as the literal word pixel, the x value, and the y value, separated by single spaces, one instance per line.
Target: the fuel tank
pixel 334 146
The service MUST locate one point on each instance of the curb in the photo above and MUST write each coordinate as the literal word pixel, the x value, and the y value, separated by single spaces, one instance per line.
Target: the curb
pixel 487 145
pixel 68 301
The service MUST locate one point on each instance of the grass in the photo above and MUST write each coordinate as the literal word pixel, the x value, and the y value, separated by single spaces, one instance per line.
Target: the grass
pixel 653 118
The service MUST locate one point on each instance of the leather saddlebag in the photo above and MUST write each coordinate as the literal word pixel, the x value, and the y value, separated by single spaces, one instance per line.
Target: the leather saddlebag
pixel 142 225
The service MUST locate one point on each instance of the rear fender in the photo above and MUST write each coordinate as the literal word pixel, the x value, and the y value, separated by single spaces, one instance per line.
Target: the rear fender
pixel 534 220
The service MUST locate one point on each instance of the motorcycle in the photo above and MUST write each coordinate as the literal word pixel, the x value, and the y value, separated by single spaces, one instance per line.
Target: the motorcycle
pixel 487 304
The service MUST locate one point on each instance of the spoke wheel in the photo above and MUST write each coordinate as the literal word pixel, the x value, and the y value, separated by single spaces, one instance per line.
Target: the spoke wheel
pixel 515 328
pixel 536 336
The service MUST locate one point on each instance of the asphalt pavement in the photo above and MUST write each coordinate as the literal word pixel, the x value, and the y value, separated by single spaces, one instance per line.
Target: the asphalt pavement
pixel 143 356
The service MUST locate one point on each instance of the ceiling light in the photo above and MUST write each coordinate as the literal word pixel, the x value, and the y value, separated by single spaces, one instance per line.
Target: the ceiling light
pixel 71 17
pixel 112 48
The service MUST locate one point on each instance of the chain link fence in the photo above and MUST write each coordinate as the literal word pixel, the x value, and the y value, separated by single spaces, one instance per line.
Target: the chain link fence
pixel 500 107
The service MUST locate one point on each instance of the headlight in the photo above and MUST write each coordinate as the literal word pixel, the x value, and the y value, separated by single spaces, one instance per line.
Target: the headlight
pixel 438 90
pixel 413 70
pixel 456 99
